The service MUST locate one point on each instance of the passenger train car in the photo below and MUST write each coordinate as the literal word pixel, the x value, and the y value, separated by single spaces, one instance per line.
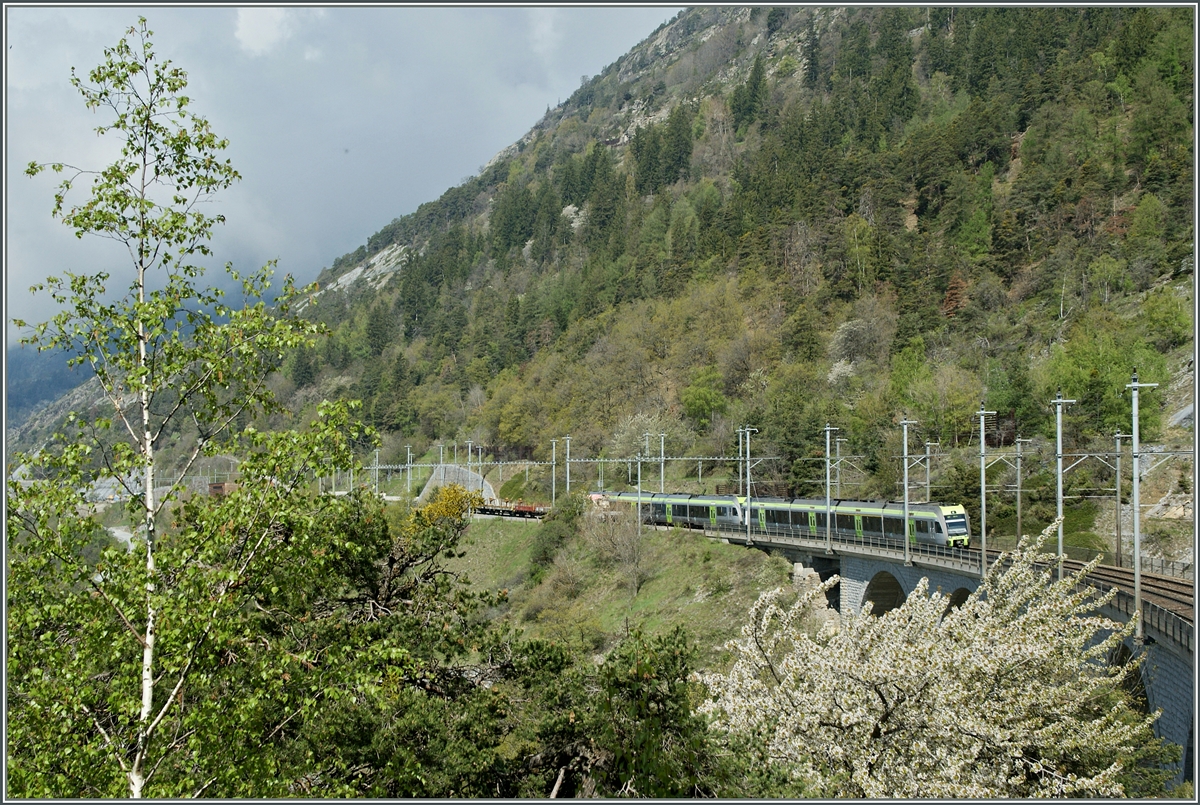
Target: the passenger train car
pixel 869 520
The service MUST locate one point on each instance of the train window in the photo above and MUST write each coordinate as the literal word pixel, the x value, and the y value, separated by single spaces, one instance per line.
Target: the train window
pixel 844 522
pixel 937 527
pixel 956 524
pixel 722 511
pixel 892 527
pixel 922 526
pixel 679 509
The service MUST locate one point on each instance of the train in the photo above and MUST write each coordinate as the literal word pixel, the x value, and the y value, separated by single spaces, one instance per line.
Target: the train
pixel 945 525
pixel 507 508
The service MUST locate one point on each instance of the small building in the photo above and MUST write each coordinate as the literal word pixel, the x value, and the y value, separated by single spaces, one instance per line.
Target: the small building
pixel 221 488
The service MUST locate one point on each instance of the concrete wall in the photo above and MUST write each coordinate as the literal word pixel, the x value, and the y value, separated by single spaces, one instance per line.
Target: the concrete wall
pixel 1169 679
pixel 456 474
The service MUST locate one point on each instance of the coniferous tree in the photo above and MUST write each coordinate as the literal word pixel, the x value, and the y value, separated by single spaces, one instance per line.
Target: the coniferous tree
pixel 677 145
pixel 304 367
pixel 380 328
pixel 812 54
pixel 647 147
pixel 748 98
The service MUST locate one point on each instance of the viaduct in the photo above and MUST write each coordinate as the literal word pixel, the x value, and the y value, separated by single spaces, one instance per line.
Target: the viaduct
pixel 877 573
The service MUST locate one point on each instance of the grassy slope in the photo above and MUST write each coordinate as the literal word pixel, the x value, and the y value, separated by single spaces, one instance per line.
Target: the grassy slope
pixel 705 586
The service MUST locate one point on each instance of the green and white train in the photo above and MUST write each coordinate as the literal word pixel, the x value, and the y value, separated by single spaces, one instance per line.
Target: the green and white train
pixel 859 520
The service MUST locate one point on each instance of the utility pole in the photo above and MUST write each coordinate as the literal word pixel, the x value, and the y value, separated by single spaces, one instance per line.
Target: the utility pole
pixel 639 488
pixel 928 488
pixel 441 460
pixel 838 464
pixel 568 441
pixel 376 470
pixel 408 474
pixel 983 491
pixel 1139 634
pixel 662 461
pixel 470 482
pixel 749 430
pixel 1019 441
pixel 1119 437
pixel 907 525
pixel 739 433
pixel 1058 402
pixel 828 506
pixel 553 471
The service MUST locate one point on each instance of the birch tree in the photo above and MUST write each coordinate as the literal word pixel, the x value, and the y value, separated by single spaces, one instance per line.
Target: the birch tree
pixel 1009 695
pixel 101 654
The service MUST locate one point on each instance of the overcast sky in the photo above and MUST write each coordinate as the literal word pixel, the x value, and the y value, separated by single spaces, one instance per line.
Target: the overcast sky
pixel 339 119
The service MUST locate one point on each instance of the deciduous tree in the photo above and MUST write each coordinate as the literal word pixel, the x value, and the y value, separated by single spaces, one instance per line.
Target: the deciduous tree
pixel 101 659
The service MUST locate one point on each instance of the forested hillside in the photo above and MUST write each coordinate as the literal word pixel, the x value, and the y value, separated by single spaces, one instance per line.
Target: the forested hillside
pixel 787 217
pixel 779 218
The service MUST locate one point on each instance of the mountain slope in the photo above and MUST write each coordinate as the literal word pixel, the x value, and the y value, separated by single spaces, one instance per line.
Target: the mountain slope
pixel 797 217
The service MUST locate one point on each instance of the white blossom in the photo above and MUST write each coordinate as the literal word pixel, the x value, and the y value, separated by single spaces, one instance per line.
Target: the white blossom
pixel 1009 695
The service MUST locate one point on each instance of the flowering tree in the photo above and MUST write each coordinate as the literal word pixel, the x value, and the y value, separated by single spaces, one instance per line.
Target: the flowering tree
pixel 1009 695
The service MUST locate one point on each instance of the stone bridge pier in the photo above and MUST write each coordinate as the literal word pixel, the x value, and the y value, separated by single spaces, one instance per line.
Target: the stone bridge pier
pixel 886 584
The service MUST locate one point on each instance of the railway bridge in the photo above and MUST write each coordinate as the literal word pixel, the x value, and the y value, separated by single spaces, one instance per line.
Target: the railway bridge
pixel 876 572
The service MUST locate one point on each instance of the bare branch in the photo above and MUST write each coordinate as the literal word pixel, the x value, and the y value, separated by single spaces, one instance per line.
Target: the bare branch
pixel 117 610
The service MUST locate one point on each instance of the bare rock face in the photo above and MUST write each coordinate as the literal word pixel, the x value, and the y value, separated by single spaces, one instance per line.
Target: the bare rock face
pixel 804 577
pixel 42 420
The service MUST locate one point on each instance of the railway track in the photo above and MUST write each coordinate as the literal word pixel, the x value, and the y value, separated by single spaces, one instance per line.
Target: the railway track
pixel 1172 594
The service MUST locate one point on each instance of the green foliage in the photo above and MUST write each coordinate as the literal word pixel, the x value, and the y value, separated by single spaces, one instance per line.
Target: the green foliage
pixel 115 659
pixel 1094 367
pixel 893 180
pixel 549 539
pixel 513 218
pixel 380 327
pixel 775 19
pixel 1004 181
pixel 747 99
pixel 1165 320
pixel 703 399
pixel 645 716
pixel 557 528
pixel 217 555
pixel 304 367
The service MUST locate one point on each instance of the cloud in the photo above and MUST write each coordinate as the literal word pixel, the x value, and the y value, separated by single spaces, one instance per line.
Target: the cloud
pixel 544 36
pixel 259 30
